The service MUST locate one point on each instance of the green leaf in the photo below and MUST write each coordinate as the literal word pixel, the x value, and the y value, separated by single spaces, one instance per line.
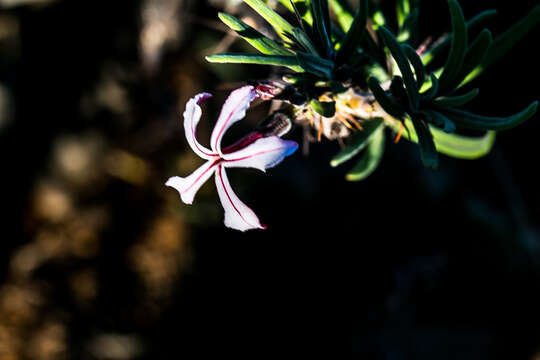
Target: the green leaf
pixel 463 147
pixel 454 145
pixel 469 120
pixel 456 101
pixel 428 151
pixel 355 34
pixel 301 9
pixel 371 158
pixel 344 13
pixel 506 41
pixel 277 60
pixel 357 142
pixel 304 40
pixel 458 47
pixel 323 108
pixel 279 24
pixel 441 46
pixel 315 65
pixel 432 91
pixel 404 66
pixel 407 30
pixel 388 104
pixel 252 36
pixel 441 121
pixel 416 61
pixel 475 56
pixel 403 9
pixel 321 23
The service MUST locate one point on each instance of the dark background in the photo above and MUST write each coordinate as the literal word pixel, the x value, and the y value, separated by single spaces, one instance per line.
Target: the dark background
pixel 99 260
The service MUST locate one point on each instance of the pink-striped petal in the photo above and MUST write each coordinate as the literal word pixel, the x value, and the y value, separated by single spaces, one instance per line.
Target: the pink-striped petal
pixel 233 110
pixel 192 115
pixel 237 215
pixel 262 154
pixel 189 185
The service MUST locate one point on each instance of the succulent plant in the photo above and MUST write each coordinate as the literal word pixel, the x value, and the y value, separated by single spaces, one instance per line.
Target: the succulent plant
pixel 351 80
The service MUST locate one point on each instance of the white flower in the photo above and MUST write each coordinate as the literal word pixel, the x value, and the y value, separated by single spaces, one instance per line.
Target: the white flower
pixel 253 151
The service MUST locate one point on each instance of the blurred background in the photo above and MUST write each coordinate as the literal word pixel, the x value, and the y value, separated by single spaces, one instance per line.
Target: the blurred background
pixel 99 260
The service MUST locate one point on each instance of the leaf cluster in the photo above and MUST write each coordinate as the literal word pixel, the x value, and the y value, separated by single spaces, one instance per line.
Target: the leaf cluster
pixel 365 53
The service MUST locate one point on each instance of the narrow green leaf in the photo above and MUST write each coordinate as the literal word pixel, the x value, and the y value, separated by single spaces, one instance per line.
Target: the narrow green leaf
pixel 371 158
pixel 357 142
pixel 323 108
pixel 454 145
pixel 277 60
pixel 475 56
pixel 321 23
pixel 409 26
pixel 279 24
pixel 355 34
pixel 443 45
pixel 315 65
pixel 432 91
pixel 464 147
pixel 428 151
pixel 506 41
pixel 416 61
pixel 403 9
pixel 441 121
pixel 344 13
pixel 458 47
pixel 456 101
pixel 252 36
pixel 388 104
pixel 304 40
pixel 404 66
pixel 469 120
pixel 301 9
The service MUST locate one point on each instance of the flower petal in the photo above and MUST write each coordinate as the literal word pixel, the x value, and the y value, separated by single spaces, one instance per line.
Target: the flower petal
pixel 188 186
pixel 192 115
pixel 237 215
pixel 233 110
pixel 261 154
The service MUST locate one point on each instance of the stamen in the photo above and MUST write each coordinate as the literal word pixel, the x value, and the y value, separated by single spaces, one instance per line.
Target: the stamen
pixel 400 132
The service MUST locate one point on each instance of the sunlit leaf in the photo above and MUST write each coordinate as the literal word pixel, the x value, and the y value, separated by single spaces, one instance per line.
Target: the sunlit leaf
pixel 370 159
pixel 279 24
pixel 252 36
pixel 454 145
pixel 277 60
pixel 358 141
